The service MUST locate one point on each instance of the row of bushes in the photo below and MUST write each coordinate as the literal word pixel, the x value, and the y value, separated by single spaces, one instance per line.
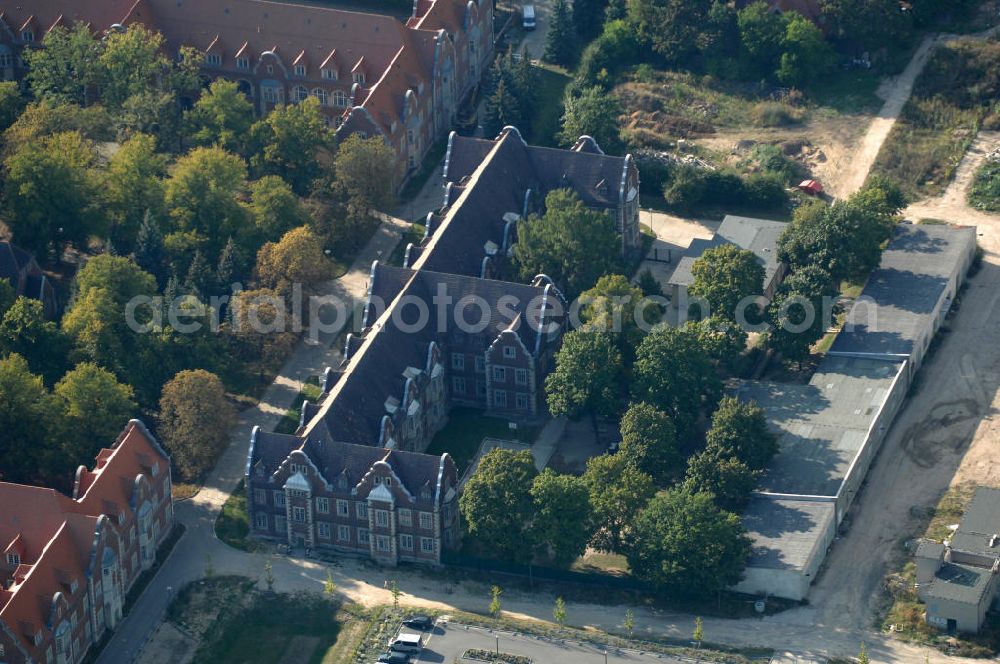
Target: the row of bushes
pixel 690 187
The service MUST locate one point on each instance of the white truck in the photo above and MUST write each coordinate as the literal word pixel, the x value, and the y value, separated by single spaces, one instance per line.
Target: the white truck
pixel 528 17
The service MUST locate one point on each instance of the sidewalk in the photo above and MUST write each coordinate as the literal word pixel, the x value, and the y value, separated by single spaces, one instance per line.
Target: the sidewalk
pixel 198 546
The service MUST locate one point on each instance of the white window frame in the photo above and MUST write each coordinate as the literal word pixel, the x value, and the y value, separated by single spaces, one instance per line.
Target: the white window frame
pixel 323 530
pixel 343 533
pixel 279 497
pixel 458 361
pixel 363 536
pixel 406 542
pixel 297 512
pixel 260 496
pixel 382 518
pixel 521 376
pixel 260 521
pixel 213 59
pixel 500 398
pixel 500 374
pixel 521 401
pixel 343 509
pixel 426 521
pixel 322 505
pixel 509 352
pixel 13 559
pixel 328 74
pixel 405 517
pixel 243 63
pixel 427 545
pixel 458 384
pixel 361 510
pixel 300 70
pixel 382 543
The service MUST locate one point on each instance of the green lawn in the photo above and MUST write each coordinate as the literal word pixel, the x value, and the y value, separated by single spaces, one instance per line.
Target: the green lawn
pixel 290 421
pixel 232 525
pixel 465 431
pixel 548 119
pixel 239 624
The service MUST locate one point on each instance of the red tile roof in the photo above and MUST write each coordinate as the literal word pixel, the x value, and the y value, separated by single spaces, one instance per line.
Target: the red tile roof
pixel 53 534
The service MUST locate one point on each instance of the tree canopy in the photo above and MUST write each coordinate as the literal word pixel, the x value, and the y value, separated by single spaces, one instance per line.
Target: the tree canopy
pixel 563 518
pixel 587 376
pixel 724 275
pixel 649 439
pixel 297 258
pixel 497 504
pixel 674 372
pixel 798 312
pixel 571 243
pixel 740 429
pixel 618 490
pixel 592 112
pixel 683 543
pixel 195 418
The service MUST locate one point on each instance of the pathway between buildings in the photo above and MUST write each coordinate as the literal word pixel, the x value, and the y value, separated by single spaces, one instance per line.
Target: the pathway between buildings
pixel 198 547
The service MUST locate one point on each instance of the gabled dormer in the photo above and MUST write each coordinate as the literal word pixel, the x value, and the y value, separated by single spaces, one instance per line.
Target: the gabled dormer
pixel 242 57
pixel 214 53
pixel 300 66
pixel 329 69
pixel 29 31
pixel 359 71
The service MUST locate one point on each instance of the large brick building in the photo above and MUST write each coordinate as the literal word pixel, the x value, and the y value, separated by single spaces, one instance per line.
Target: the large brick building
pixel 67 563
pixel 371 73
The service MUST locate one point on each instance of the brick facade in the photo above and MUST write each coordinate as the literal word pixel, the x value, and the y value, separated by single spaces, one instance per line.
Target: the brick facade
pixel 67 563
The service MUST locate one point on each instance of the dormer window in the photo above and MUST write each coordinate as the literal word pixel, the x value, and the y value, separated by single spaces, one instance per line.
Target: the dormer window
pixel 28 36
pixel 13 559
pixel 300 70
pixel 155 470
pixel 359 77
pixel 328 74
pixel 213 60
pixel 243 62
pixel 270 69
pixel 388 481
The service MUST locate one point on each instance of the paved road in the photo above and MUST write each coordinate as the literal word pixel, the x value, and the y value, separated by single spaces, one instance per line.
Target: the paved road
pixel 449 642
pixel 198 549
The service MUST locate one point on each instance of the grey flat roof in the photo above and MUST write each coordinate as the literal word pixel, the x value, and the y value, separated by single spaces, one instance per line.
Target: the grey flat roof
pixel 757 235
pixel 784 531
pixel 822 425
pixel 979 524
pixel 960 583
pixel 906 288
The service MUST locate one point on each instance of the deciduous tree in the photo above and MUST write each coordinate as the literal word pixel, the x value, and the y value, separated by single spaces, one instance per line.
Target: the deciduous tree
pixel 67 68
pixel 51 195
pixel 807 57
pixel 292 138
pixel 26 449
pixel 724 276
pixel 297 258
pixel 571 243
pixel 222 116
pixel 618 490
pixel 740 429
pixel 195 419
pixel 133 184
pixel 592 112
pixel 671 27
pixel 649 439
pixel 93 408
pixel 617 307
pixel 587 376
pixel 497 505
pixel 275 208
pixel 24 331
pixel 563 517
pixel 683 543
pixel 364 171
pixel 724 476
pixel 797 314
pixel 674 372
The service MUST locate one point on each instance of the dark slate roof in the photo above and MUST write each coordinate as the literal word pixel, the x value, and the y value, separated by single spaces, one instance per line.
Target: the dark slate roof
pixel 334 458
pixel 757 235
pixel 960 583
pixel 374 372
pixel 906 288
pixel 490 178
pixel 13 260
pixel 980 524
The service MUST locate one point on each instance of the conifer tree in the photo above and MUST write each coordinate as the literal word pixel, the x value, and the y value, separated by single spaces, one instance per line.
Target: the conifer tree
pixel 560 41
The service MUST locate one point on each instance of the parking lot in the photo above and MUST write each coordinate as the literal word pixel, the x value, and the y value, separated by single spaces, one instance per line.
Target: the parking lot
pixel 448 642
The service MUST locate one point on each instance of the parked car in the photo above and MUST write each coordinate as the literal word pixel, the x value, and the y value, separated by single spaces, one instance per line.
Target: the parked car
pixel 528 17
pixel 407 643
pixel 419 622
pixel 393 657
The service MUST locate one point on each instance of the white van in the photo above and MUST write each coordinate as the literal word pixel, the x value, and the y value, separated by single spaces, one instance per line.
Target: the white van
pixel 407 643
pixel 528 17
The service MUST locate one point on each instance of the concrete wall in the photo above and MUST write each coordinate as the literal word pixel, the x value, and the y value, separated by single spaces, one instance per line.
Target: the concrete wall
pixel 968 617
pixel 873 441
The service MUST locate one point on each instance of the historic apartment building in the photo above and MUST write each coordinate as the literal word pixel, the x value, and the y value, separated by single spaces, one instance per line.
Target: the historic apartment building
pixel 489 186
pixel 66 564
pixel 353 478
pixel 371 74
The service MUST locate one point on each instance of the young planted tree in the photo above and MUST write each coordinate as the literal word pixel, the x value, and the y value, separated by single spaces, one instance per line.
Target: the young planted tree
pixel 495 607
pixel 559 611
pixel 629 623
pixel 396 594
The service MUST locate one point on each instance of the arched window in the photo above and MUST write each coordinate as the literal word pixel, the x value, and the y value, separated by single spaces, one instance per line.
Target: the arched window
pixel 339 98
pixel 300 93
pixel 320 94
